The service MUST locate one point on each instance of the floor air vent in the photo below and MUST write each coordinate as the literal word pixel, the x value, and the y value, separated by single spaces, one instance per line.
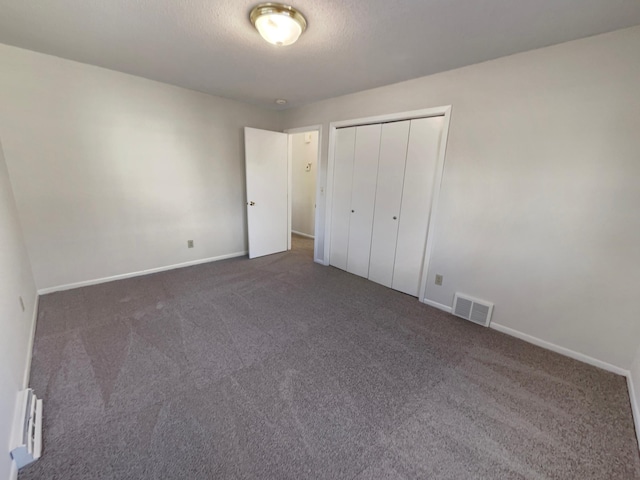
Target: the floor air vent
pixel 27 431
pixel 472 309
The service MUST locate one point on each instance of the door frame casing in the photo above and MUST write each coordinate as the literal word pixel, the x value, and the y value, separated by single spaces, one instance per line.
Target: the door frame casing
pixel 443 111
pixel 318 186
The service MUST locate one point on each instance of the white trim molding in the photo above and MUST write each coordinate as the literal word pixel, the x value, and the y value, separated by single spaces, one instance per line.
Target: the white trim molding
pixel 561 350
pixel 635 408
pixel 96 281
pixel 393 117
pixel 310 128
pixel 439 306
pixel 306 235
pixel 32 337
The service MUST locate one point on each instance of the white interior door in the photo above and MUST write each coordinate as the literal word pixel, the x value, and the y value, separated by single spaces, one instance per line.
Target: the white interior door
pixel 363 194
pixel 417 194
pixel 267 191
pixel 341 207
pixel 393 153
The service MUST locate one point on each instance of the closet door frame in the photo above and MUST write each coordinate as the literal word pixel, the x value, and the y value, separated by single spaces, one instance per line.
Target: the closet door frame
pixel 444 111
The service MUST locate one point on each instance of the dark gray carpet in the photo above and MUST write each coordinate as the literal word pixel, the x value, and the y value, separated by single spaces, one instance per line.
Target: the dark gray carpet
pixel 279 368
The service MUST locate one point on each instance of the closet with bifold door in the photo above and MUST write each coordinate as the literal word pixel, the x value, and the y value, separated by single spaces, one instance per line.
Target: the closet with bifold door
pixel 383 185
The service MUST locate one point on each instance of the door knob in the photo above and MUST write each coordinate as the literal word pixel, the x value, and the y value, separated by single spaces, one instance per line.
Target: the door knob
pixel 395 218
pixel 352 211
pixel 251 204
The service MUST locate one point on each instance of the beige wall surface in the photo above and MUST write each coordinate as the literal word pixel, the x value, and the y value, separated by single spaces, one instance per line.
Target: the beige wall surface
pixel 114 173
pixel 16 325
pixel 539 205
pixel 538 211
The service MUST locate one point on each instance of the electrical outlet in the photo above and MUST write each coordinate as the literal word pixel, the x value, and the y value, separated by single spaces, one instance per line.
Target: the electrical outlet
pixel 438 279
pixel 189 243
pixel 21 303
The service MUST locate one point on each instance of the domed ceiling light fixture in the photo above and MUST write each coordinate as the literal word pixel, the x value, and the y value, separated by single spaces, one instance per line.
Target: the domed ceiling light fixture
pixel 277 23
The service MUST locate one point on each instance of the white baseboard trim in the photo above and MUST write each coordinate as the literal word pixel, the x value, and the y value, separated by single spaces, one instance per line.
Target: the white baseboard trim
pixel 561 350
pixel 32 337
pixel 635 410
pixel 303 234
pixel 437 305
pixel 96 281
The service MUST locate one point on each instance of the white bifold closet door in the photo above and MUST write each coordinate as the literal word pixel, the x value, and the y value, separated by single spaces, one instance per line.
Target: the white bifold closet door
pixel 382 191
pixel 345 142
pixel 417 193
pixel 393 152
pixel 363 194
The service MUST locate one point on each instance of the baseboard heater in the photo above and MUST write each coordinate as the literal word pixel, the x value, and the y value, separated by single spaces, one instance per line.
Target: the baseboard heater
pixel 26 443
pixel 472 309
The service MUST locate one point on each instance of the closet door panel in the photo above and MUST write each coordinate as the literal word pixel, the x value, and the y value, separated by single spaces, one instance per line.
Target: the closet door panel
pixel 422 156
pixel 341 207
pixel 365 174
pixel 391 165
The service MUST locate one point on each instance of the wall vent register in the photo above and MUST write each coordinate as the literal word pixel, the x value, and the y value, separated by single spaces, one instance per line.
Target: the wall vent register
pixel 472 309
pixel 26 439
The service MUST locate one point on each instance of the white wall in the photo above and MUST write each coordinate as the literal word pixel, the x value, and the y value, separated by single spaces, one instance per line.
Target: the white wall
pixel 303 210
pixel 539 204
pixel 114 173
pixel 16 326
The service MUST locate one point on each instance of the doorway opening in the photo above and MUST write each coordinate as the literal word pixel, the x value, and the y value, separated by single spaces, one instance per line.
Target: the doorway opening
pixel 304 159
pixel 283 190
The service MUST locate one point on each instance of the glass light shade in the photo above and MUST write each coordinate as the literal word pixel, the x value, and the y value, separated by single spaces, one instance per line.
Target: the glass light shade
pixel 277 23
pixel 278 29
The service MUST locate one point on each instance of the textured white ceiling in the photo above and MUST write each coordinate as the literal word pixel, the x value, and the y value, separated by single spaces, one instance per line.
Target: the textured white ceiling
pixel 350 45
